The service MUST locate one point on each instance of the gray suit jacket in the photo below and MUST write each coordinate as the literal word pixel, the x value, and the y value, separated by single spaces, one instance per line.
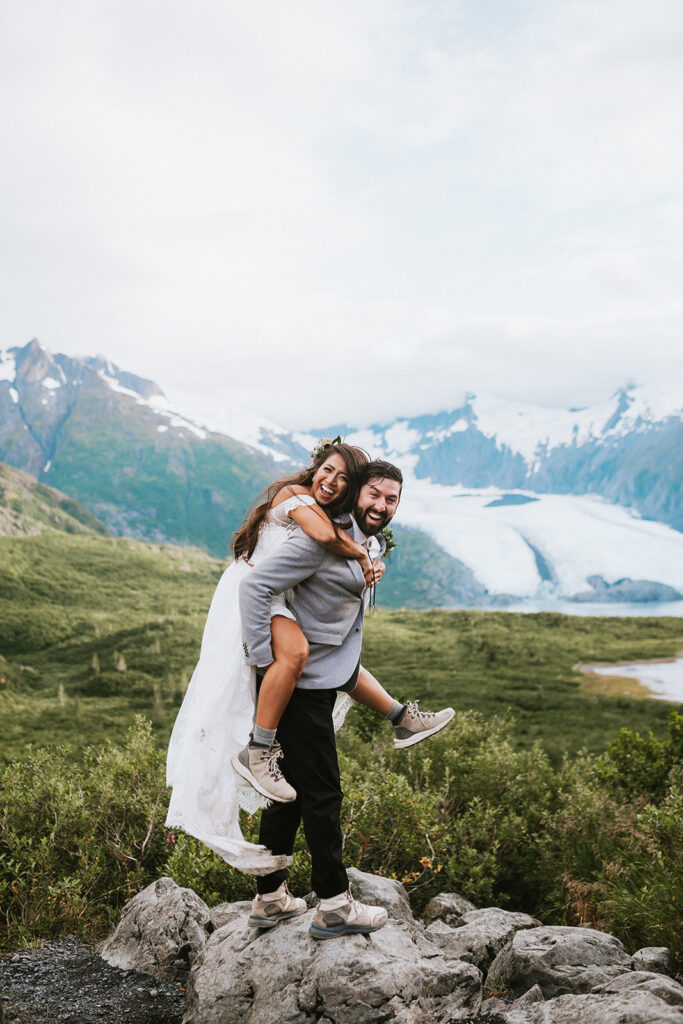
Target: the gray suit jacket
pixel 326 596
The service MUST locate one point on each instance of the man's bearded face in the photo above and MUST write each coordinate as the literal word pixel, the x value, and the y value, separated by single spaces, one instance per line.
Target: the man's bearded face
pixel 376 504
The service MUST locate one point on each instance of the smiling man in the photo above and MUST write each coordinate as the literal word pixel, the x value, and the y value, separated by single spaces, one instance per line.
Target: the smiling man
pixel 327 594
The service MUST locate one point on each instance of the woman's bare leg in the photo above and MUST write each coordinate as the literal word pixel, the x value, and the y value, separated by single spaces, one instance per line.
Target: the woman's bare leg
pixel 371 694
pixel 290 650
pixel 257 762
pixel 410 724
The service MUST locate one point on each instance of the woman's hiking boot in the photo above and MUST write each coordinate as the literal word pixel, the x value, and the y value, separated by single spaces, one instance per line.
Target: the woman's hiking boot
pixel 259 766
pixel 414 725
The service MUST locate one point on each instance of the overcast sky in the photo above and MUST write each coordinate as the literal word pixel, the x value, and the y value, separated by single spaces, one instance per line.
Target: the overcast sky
pixel 347 210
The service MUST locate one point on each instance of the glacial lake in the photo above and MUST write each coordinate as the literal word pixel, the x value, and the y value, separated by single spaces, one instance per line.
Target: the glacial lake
pixel 651 609
pixel 664 679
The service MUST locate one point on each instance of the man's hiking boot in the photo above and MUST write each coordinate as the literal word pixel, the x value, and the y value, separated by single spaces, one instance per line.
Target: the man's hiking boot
pixel 415 725
pixel 268 909
pixel 342 915
pixel 259 767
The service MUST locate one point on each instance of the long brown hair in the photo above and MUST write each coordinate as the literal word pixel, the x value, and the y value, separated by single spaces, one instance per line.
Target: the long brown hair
pixel 246 538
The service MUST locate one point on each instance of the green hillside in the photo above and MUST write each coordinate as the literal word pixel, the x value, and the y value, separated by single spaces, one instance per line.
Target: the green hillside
pixel 27 507
pixel 87 428
pixel 96 629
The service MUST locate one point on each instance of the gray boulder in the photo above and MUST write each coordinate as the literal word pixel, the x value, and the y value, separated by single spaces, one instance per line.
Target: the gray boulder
pixel 382 892
pixel 533 995
pixel 480 936
pixel 161 931
pixel 558 959
pixel 654 958
pixel 646 981
pixel 224 913
pixel 635 1007
pixel 448 907
pixel 243 976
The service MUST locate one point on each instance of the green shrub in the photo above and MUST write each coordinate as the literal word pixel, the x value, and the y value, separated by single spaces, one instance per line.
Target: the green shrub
pixel 76 843
pixel 642 891
pixel 642 765
pixel 466 813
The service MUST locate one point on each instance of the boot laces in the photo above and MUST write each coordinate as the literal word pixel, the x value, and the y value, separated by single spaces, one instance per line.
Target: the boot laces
pixel 422 716
pixel 272 766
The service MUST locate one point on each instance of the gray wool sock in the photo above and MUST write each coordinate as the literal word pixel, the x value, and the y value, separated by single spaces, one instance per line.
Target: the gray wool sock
pixel 262 737
pixel 395 712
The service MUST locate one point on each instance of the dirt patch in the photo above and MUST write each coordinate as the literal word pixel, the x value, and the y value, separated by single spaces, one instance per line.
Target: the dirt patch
pixel 67 982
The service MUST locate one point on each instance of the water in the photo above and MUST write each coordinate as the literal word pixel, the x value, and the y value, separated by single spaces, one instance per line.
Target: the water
pixel 654 609
pixel 663 678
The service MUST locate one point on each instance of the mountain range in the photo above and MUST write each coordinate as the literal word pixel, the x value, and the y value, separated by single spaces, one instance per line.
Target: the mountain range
pixel 501 500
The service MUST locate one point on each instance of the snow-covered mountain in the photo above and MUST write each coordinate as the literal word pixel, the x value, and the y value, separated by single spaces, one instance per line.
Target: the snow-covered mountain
pixel 510 500
pixel 112 440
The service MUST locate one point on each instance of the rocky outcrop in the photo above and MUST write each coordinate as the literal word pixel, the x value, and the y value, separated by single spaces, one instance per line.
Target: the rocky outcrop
pixel 410 971
pixel 161 932
pixel 243 975
pixel 480 934
pixel 624 1008
pixel 448 907
pixel 558 960
pixel 654 958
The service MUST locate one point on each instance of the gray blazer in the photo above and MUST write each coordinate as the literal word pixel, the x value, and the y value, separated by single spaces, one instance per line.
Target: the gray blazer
pixel 326 596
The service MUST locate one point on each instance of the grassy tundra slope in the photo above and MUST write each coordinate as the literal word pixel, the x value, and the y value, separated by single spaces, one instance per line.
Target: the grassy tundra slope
pixel 96 629
pixel 27 507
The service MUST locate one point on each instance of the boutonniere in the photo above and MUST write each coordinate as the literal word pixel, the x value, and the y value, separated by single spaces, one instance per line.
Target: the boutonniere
pixel 323 444
pixel 388 535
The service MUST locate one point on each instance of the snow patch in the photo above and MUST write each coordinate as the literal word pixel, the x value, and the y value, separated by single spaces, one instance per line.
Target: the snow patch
pixel 51 384
pixel 114 385
pixel 182 424
pixel 14 395
pixel 162 429
pixel 8 368
pixel 47 465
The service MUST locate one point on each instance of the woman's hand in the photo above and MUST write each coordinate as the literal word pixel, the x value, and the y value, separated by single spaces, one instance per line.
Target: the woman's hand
pixel 378 568
pixel 372 571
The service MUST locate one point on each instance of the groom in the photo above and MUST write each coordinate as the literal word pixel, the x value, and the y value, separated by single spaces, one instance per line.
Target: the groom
pixel 326 593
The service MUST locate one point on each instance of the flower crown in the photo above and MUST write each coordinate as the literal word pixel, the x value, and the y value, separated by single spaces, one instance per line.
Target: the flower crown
pixel 323 444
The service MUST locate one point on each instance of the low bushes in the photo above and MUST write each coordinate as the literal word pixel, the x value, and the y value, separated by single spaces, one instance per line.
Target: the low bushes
pixel 597 840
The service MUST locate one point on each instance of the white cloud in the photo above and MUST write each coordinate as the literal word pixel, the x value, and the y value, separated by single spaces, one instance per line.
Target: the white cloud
pixel 414 198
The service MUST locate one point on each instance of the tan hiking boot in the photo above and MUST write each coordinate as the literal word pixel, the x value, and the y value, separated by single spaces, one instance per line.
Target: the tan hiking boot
pixel 259 767
pixel 269 908
pixel 342 915
pixel 415 725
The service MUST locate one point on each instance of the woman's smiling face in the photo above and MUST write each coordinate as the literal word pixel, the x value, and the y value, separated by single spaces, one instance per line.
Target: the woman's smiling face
pixel 331 480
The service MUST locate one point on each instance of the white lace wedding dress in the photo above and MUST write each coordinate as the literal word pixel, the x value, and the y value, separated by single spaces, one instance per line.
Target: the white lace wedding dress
pixel 216 717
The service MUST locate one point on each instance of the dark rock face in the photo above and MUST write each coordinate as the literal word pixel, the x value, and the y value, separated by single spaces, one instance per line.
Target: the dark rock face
pixel 627 590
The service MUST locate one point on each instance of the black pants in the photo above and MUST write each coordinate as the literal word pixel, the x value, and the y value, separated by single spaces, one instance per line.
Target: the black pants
pixel 310 765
